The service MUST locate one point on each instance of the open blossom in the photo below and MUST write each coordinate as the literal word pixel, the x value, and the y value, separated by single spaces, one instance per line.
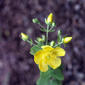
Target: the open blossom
pixel 48 56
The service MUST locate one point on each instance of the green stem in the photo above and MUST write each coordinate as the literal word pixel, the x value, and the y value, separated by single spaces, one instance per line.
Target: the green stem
pixel 30 42
pixel 41 26
pixel 47 34
pixel 50 28
pixel 58 44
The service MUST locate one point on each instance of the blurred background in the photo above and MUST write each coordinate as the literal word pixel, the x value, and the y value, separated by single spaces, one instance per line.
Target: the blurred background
pixel 16 64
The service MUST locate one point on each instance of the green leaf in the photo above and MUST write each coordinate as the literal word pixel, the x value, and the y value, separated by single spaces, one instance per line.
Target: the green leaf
pixel 45 81
pixel 46 75
pixel 49 78
pixel 58 74
pixel 59 82
pixel 52 82
pixel 34 49
pixel 51 30
pixel 35 20
pixel 42 81
pixel 43 30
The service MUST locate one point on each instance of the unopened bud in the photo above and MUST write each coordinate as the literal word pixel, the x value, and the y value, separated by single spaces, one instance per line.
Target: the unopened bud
pixel 24 36
pixel 43 38
pixel 35 20
pixel 50 18
pixel 67 39
pixel 53 24
pixel 40 39
pixel 52 43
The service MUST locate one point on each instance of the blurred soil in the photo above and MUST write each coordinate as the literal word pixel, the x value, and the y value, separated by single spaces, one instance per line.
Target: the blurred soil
pixel 16 64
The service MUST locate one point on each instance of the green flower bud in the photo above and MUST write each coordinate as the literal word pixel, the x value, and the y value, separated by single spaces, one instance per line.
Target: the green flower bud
pixel 53 24
pixel 43 37
pixel 52 43
pixel 24 36
pixel 39 39
pixel 35 20
pixel 59 32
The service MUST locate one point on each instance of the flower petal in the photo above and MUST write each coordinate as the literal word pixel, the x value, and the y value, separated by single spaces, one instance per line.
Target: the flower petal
pixel 58 52
pixel 38 56
pixel 43 66
pixel 54 62
pixel 47 48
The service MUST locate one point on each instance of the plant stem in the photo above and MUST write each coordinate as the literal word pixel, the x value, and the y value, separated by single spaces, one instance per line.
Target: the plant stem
pixel 58 44
pixel 41 26
pixel 30 42
pixel 50 28
pixel 47 34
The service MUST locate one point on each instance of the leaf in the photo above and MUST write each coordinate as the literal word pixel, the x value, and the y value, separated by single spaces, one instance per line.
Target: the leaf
pixel 58 74
pixel 59 82
pixel 45 81
pixel 46 75
pixel 48 78
pixel 42 81
pixel 52 82
pixel 51 31
pixel 35 48
pixel 43 29
pixel 44 78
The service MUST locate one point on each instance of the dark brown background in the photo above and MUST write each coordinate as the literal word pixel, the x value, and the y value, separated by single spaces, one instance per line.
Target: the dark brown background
pixel 16 64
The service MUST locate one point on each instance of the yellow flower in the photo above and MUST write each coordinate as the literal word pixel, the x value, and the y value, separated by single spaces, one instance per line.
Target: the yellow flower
pixel 24 36
pixel 67 39
pixel 50 18
pixel 48 56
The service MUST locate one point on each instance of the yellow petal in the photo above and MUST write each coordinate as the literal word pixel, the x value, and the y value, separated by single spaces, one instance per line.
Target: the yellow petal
pixel 58 52
pixel 54 62
pixel 43 66
pixel 47 48
pixel 38 56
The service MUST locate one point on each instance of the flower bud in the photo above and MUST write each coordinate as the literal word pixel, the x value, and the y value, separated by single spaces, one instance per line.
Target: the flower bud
pixel 67 39
pixel 53 24
pixel 49 18
pixel 59 32
pixel 52 43
pixel 24 36
pixel 43 37
pixel 39 39
pixel 35 20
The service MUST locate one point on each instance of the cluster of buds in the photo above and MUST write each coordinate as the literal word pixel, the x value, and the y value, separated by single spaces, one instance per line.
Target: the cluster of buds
pixel 48 21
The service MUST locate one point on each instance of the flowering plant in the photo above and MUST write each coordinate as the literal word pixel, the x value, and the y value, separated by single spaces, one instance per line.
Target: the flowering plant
pixel 47 55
